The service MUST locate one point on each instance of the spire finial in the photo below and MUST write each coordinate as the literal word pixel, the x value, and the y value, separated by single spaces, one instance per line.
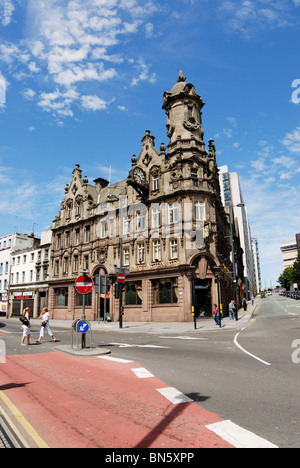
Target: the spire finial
pixel 181 77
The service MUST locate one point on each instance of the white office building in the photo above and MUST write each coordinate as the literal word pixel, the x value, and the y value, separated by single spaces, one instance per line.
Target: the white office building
pixel 8 245
pixel 255 250
pixel 29 277
pixel 231 193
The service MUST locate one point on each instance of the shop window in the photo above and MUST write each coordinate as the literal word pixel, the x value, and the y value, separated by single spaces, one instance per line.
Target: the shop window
pixel 133 293
pixel 88 299
pixel 165 291
pixel 61 297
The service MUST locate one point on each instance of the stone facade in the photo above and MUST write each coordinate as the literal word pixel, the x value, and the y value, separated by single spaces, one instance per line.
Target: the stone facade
pixel 165 225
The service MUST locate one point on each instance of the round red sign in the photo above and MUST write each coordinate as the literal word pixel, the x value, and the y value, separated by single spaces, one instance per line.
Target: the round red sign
pixel 121 278
pixel 84 284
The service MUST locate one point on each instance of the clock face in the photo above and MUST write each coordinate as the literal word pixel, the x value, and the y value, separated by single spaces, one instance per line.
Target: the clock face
pixel 139 176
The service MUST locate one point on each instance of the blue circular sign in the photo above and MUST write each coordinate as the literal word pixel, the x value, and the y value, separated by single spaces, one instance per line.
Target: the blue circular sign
pixel 83 327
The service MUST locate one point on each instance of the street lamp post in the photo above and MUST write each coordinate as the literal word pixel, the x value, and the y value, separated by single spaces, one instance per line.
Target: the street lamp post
pixel 219 299
pixel 114 197
pixel 121 263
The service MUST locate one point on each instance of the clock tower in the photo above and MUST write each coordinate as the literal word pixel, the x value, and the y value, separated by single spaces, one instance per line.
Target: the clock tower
pixel 183 108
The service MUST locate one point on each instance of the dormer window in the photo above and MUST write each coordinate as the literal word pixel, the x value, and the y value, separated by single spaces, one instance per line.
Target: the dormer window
pixel 78 207
pixel 155 182
pixel 69 210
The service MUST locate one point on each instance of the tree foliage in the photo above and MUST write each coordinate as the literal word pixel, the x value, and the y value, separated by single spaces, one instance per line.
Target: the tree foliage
pixel 291 275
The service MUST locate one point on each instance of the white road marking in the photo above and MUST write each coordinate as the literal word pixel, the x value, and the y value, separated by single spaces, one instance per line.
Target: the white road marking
pixel 174 396
pixel 237 436
pixel 109 358
pixel 142 373
pixel 184 338
pixel 247 352
pixel 125 345
pixel 279 305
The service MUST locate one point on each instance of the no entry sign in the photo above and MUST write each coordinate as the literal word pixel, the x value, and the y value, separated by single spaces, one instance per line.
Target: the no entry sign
pixel 121 278
pixel 84 284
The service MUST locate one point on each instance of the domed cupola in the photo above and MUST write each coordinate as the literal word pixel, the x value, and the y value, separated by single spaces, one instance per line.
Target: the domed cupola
pixel 184 118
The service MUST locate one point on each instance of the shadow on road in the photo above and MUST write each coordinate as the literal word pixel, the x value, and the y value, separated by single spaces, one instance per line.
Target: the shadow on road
pixel 13 385
pixel 162 426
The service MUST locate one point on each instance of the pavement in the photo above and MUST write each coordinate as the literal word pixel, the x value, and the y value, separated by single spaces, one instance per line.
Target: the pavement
pixel 206 324
pixel 166 327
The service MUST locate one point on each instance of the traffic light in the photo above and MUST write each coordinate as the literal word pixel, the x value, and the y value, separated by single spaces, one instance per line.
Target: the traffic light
pixel 117 291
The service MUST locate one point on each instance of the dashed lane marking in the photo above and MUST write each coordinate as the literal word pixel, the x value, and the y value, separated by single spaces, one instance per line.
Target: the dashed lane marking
pixel 174 396
pixel 238 437
pixel 110 358
pixel 142 373
pixel 230 432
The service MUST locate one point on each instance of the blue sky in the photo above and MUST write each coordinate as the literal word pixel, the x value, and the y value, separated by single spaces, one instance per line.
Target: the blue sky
pixel 84 79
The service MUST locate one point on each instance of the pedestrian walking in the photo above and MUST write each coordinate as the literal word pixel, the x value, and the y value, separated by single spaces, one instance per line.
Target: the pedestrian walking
pixel 217 315
pixel 244 302
pixel 252 299
pixel 231 310
pixel 235 310
pixel 26 327
pixel 45 325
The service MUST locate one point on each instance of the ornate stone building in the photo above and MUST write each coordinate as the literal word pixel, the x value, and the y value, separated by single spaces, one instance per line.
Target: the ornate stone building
pixel 174 232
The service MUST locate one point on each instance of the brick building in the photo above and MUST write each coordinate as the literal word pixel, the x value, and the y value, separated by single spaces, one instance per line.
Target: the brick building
pixel 169 215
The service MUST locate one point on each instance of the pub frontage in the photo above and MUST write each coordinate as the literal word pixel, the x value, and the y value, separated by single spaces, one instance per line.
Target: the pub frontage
pixel 164 226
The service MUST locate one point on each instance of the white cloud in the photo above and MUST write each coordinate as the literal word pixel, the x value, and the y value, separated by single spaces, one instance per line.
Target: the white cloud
pixel 70 45
pixel 6 12
pixel 29 94
pixel 58 103
pixel 93 103
pixel 284 161
pixel 292 141
pixel 17 198
pixel 143 73
pixel 149 28
pixel 246 17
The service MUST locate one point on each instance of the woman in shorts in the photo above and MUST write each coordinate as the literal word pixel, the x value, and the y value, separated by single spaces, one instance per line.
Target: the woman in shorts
pixel 26 328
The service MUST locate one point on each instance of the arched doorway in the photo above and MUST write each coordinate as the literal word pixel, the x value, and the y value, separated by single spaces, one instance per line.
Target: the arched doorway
pixel 102 294
pixel 204 287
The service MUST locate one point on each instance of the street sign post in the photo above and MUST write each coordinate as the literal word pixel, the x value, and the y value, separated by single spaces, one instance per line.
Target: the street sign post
pixel 121 278
pixel 84 285
pixel 83 327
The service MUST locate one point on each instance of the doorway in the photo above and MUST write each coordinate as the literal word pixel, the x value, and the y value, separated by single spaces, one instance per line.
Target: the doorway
pixel 202 292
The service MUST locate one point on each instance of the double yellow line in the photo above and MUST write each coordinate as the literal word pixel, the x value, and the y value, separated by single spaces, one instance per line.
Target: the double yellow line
pixel 22 421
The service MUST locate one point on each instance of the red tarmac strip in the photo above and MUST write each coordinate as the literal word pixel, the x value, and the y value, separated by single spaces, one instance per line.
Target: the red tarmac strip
pixel 83 403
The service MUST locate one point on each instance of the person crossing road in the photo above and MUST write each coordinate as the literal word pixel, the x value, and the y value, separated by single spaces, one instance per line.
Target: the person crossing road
pixel 45 325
